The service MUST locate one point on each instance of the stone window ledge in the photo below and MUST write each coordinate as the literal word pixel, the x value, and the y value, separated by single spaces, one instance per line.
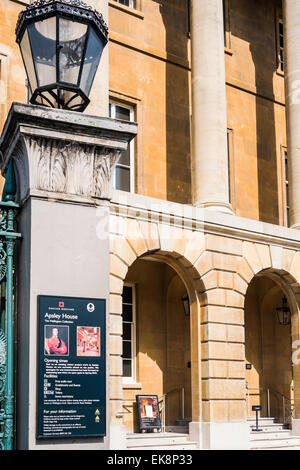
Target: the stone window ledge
pixel 125 9
pixel 132 386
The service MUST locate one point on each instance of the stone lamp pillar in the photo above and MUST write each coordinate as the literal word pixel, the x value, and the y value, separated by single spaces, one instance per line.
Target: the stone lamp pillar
pixel 63 162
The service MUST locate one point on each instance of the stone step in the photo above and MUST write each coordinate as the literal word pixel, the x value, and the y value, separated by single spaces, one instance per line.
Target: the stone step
pixel 279 442
pixel 162 446
pixel 168 438
pixel 183 422
pixel 282 447
pixel 252 420
pixel 160 441
pixel 272 427
pixel 177 429
pixel 257 436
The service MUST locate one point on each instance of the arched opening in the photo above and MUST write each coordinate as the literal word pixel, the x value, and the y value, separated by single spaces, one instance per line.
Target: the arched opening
pixel 156 343
pixel 268 348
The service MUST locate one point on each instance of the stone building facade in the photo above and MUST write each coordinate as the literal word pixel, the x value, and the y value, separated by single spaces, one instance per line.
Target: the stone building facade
pixel 205 204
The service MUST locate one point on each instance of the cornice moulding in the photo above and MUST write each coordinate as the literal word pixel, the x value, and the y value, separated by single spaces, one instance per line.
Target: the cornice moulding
pixel 202 220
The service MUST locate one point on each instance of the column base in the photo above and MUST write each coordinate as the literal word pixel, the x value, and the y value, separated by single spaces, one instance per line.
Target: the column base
pixel 220 436
pixel 216 206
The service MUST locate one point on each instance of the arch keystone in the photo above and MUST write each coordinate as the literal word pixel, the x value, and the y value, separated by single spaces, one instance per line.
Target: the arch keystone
pixel 194 247
pixel 295 266
pixel 276 256
pixel 135 237
pixel 251 255
pixel 150 233
pixel 264 255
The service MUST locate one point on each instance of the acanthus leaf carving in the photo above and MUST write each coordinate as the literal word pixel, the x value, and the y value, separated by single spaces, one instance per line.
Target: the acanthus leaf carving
pixel 65 166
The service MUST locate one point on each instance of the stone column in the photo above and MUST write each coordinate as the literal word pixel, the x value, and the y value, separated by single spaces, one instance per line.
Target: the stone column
pixel 63 162
pixel 209 114
pixel 291 13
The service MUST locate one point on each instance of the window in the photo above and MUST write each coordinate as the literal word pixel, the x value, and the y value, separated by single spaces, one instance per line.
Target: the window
pixel 128 322
pixel 128 3
pixel 286 201
pixel 226 20
pixel 280 41
pixel 124 172
pixel 231 168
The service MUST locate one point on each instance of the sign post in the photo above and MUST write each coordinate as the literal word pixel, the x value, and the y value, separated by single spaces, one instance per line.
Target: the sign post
pixel 71 367
pixel 256 408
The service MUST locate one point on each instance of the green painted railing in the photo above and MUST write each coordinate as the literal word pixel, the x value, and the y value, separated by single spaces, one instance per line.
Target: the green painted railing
pixel 8 237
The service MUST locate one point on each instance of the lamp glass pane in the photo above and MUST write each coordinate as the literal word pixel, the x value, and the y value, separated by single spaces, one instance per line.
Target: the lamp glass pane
pixel 75 102
pixel 50 99
pixel 43 42
pixel 28 61
pixel 72 38
pixel 91 60
pixel 70 98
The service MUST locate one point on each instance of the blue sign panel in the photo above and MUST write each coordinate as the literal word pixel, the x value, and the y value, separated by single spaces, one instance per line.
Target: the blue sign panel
pixel 71 367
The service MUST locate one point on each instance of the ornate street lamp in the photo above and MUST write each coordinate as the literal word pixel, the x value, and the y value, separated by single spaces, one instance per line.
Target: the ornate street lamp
pixel 284 313
pixel 61 42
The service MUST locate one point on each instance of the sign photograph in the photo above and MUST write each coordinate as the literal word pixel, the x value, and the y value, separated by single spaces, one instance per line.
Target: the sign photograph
pixel 71 367
pixel 148 412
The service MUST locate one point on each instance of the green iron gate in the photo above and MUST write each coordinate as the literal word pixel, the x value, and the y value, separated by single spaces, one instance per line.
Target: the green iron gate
pixel 8 237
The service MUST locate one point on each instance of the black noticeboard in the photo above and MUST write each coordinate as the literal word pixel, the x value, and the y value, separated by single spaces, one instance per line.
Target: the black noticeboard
pixel 71 367
pixel 148 412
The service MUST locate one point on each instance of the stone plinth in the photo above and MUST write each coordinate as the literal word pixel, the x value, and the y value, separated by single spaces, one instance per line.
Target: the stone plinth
pixel 63 163
pixel 62 154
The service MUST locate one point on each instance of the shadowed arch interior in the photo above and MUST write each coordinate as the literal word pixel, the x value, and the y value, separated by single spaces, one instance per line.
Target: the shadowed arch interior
pixel 271 378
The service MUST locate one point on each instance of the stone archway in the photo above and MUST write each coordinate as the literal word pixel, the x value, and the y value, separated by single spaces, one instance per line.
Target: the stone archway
pixel 217 271
pixel 269 372
pixel 180 250
pixel 156 343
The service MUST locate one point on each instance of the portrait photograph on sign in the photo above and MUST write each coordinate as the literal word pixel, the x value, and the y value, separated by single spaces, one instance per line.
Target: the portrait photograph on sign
pixel 88 341
pixel 56 340
pixel 148 411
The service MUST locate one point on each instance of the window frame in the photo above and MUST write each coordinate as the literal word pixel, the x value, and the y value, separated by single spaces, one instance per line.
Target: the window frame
pixel 131 4
pixel 227 26
pixel 285 186
pixel 133 378
pixel 231 168
pixel 113 103
pixel 278 21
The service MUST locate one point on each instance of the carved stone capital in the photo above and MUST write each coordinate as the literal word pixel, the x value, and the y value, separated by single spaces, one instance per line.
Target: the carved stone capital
pixel 62 154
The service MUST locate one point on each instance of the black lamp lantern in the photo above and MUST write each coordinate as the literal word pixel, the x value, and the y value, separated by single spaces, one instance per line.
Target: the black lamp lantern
pixel 61 42
pixel 186 304
pixel 284 313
